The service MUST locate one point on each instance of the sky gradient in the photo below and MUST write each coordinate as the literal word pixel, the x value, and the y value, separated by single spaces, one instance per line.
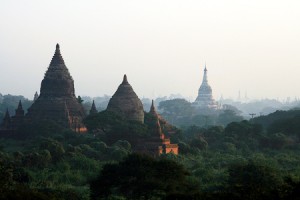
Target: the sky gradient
pixel 162 45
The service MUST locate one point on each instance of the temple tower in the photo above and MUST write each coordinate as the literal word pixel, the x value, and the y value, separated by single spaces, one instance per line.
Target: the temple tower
pixel 205 99
pixel 57 97
pixel 157 143
pixel 93 109
pixel 18 118
pixel 126 102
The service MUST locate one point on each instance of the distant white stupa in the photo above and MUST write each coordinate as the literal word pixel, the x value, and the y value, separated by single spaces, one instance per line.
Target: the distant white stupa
pixel 205 99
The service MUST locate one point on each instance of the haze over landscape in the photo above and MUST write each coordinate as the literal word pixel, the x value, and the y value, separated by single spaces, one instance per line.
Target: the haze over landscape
pixel 248 46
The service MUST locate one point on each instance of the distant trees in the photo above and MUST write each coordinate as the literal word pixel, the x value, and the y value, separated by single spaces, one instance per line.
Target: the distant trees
pixel 227 116
pixel 179 107
pixel 290 126
pixel 141 176
pixel 183 113
pixel 253 181
pixel 279 115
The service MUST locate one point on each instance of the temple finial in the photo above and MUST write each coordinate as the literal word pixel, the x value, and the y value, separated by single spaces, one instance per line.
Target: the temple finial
pixel 57 58
pixel 153 110
pixel 57 49
pixel 125 79
pixel 20 105
pixel 93 109
pixel 19 110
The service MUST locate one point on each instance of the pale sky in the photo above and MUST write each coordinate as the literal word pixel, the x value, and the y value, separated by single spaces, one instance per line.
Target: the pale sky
pixel 250 46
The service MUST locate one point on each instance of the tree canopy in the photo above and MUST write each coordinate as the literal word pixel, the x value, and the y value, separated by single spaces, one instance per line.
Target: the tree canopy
pixel 140 176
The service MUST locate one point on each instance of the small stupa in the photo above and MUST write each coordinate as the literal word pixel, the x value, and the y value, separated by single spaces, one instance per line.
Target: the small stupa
pixel 57 100
pixel 126 102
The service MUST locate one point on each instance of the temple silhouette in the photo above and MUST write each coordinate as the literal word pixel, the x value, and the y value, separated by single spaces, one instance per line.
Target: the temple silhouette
pixel 57 103
pixel 126 102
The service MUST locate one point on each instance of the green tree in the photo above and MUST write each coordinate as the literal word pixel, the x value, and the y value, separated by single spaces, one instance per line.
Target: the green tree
pixel 140 176
pixel 228 116
pixel 253 181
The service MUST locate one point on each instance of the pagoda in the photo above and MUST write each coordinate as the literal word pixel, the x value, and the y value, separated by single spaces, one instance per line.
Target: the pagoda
pixel 156 144
pixel 205 99
pixel 57 100
pixel 18 118
pixel 126 102
pixel 93 109
pixel 13 123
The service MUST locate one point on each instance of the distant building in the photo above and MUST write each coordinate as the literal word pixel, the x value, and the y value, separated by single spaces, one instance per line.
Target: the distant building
pixel 57 101
pixel 10 124
pixel 205 99
pixel 126 102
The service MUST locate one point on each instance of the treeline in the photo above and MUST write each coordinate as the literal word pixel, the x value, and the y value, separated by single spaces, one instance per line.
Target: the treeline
pixel 182 113
pixel 256 159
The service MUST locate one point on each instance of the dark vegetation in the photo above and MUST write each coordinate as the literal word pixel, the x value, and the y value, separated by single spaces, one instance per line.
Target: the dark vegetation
pixel 256 159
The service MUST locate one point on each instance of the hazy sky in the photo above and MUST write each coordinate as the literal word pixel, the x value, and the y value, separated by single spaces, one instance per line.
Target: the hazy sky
pixel 162 45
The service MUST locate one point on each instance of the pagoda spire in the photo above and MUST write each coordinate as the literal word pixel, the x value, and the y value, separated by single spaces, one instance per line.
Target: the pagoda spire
pixel 205 74
pixel 19 110
pixel 152 109
pixel 125 80
pixel 20 107
pixel 93 109
pixel 57 58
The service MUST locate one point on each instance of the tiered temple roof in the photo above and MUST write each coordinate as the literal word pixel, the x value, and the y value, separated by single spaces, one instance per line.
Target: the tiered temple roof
pixel 205 98
pixel 157 144
pixel 126 102
pixel 57 100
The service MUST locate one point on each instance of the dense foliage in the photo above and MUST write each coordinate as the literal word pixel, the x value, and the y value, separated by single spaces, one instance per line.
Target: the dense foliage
pixel 140 176
pixel 244 160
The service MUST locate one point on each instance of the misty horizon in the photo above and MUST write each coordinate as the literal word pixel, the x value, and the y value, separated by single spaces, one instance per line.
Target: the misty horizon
pixel 249 47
